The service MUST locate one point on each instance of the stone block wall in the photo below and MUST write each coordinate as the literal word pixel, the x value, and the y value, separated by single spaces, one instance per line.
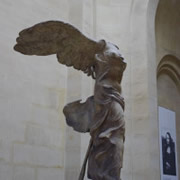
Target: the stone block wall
pixel 35 143
pixel 32 95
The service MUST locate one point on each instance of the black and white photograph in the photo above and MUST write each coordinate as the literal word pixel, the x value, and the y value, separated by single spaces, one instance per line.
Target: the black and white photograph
pixel 168 154
pixel 169 158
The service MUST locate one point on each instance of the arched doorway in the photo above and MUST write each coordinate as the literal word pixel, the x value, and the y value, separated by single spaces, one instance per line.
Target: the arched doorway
pixel 167 27
pixel 168 87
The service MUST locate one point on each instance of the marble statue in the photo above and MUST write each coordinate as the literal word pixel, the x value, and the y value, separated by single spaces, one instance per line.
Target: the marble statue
pixel 102 114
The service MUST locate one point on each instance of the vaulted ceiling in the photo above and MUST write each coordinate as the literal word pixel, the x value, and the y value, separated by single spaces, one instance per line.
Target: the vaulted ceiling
pixel 168 27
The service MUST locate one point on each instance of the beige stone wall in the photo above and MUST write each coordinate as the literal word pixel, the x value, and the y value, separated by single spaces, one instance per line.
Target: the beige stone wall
pixel 32 95
pixel 35 143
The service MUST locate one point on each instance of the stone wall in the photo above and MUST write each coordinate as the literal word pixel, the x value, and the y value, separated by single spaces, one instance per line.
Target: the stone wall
pixel 32 95
pixel 35 143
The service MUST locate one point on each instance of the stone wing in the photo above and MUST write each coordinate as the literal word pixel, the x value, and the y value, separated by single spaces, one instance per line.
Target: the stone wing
pixel 56 37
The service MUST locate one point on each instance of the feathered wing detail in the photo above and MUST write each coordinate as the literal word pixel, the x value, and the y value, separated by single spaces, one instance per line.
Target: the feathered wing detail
pixel 56 37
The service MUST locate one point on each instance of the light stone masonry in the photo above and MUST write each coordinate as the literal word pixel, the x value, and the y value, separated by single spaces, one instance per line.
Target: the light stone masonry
pixel 32 94
pixel 37 156
pixel 44 136
pixel 35 143
pixel 6 171
pixel 50 174
pixel 24 173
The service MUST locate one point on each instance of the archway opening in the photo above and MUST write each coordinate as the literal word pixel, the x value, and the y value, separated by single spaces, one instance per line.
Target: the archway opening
pixel 167 27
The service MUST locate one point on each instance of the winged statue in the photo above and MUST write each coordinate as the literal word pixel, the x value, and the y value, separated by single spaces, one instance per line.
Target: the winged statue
pixel 102 115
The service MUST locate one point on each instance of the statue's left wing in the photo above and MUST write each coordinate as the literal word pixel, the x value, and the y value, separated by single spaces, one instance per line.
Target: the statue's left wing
pixel 56 37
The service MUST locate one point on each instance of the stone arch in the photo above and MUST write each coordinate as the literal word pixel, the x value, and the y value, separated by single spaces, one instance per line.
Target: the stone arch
pixel 163 43
pixel 168 58
pixel 168 88
pixel 170 65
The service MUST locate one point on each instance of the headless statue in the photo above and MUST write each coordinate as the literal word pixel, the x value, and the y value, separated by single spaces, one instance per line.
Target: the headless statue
pixel 102 114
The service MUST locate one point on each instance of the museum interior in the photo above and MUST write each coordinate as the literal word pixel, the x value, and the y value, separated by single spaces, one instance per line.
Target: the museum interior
pixel 35 141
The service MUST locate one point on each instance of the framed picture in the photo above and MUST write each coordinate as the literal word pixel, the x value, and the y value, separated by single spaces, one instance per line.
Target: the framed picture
pixel 168 148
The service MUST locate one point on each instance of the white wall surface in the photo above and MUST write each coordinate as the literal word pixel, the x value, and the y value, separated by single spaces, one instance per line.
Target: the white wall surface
pixel 35 143
pixel 32 95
